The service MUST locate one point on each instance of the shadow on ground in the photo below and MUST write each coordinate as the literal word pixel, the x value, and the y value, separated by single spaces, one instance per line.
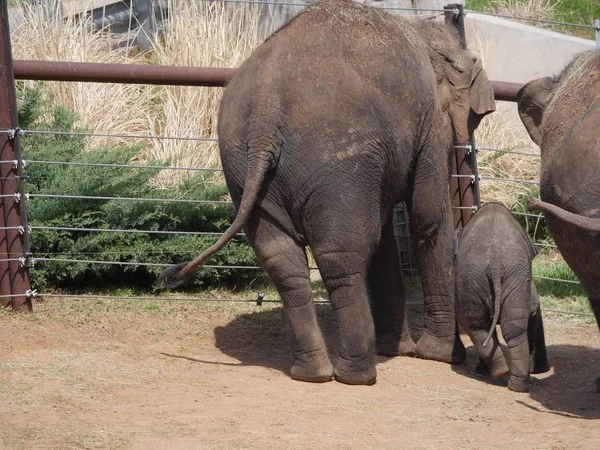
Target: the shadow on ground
pixel 569 391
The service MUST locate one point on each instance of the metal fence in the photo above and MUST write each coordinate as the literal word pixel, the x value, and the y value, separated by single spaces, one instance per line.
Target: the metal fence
pixel 16 258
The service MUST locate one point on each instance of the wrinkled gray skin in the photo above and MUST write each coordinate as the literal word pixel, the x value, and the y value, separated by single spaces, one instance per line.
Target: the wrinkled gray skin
pixel 335 118
pixel 493 286
pixel 562 116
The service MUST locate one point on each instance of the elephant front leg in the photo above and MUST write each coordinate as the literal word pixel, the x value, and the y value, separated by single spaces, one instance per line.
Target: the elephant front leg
pixel 386 292
pixel 286 264
pixel 431 222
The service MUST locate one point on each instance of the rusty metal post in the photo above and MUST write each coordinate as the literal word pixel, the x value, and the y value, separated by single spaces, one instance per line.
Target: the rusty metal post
pixel 464 185
pixel 14 276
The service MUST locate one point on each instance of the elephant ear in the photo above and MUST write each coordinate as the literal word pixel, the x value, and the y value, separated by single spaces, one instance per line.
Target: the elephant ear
pixel 481 94
pixel 472 94
pixel 532 100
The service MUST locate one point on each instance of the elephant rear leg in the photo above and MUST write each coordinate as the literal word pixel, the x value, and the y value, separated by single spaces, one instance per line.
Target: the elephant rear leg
pixel 343 264
pixel 386 292
pixel 491 355
pixel 285 262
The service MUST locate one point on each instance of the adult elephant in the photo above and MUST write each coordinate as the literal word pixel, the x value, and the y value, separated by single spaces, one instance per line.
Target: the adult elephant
pixel 335 118
pixel 561 115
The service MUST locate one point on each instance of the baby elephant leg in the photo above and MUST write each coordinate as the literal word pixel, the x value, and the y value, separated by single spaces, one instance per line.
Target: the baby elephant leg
pixel 491 354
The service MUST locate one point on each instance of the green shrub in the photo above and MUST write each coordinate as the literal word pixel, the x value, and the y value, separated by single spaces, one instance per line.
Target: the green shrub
pixel 38 111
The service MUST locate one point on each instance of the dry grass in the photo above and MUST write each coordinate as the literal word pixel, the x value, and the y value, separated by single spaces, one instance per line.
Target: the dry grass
pixel 202 34
pixel 503 130
pixel 535 9
pixel 99 108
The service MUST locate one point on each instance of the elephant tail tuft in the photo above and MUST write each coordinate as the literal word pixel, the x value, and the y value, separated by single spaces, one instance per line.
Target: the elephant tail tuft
pixel 258 165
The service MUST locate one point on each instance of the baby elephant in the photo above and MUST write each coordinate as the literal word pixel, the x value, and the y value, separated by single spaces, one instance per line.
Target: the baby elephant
pixel 493 285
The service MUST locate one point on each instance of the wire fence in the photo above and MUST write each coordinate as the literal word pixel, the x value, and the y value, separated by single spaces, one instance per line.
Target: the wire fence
pixel 54 257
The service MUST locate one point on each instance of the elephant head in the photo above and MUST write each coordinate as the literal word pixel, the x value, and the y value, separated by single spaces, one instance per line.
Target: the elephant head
pixel 465 93
pixel 533 99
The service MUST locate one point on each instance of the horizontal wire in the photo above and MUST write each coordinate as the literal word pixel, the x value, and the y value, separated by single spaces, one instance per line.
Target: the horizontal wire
pixel 126 263
pixel 539 216
pixel 198 233
pixel 210 299
pixel 555 279
pixel 127 166
pixel 557 311
pixel 489 149
pixel 135 199
pixel 545 245
pixel 509 180
pixel 530 19
pixel 116 135
pixel 306 5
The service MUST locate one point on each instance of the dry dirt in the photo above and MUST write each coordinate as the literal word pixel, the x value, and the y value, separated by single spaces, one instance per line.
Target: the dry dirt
pixel 110 374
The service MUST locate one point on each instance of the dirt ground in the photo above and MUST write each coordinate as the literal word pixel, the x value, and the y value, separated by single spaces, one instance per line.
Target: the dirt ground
pixel 95 374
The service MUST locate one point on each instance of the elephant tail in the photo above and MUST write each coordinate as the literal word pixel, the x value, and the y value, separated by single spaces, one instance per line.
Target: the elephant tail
pixel 585 223
pixel 496 285
pixel 176 275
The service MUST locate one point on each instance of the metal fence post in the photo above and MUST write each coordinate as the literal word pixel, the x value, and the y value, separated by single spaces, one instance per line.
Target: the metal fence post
pixel 597 28
pixel 464 185
pixel 14 275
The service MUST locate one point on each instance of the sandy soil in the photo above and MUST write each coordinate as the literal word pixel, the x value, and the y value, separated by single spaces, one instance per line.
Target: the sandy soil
pixel 94 374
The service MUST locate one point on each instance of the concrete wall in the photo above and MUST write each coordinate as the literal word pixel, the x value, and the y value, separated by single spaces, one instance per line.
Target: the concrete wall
pixel 519 53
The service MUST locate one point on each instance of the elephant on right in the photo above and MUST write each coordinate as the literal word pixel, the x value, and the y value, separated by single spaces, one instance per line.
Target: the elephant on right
pixel 562 116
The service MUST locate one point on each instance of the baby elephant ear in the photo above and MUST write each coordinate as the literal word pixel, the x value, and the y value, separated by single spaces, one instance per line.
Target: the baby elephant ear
pixel 532 100
pixel 481 94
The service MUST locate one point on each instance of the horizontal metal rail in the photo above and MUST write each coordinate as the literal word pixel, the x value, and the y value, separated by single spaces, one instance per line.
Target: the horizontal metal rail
pixel 133 199
pixel 539 277
pixel 160 75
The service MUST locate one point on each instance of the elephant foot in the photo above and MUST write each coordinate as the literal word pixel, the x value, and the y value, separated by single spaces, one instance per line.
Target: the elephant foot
pixel 499 369
pixel 314 370
pixel 398 345
pixel 518 384
pixel 353 372
pixel 448 349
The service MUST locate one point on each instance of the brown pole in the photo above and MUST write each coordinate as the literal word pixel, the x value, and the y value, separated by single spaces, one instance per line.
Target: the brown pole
pixel 13 275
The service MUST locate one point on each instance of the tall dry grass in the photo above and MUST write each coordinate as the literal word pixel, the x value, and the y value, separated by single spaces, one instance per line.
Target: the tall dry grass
pixel 201 34
pixel 534 9
pixel 503 130
pixel 99 108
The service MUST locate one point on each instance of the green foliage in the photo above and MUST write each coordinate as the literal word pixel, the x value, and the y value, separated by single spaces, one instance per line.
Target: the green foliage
pixel 536 227
pixel 581 12
pixel 63 179
pixel 546 267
